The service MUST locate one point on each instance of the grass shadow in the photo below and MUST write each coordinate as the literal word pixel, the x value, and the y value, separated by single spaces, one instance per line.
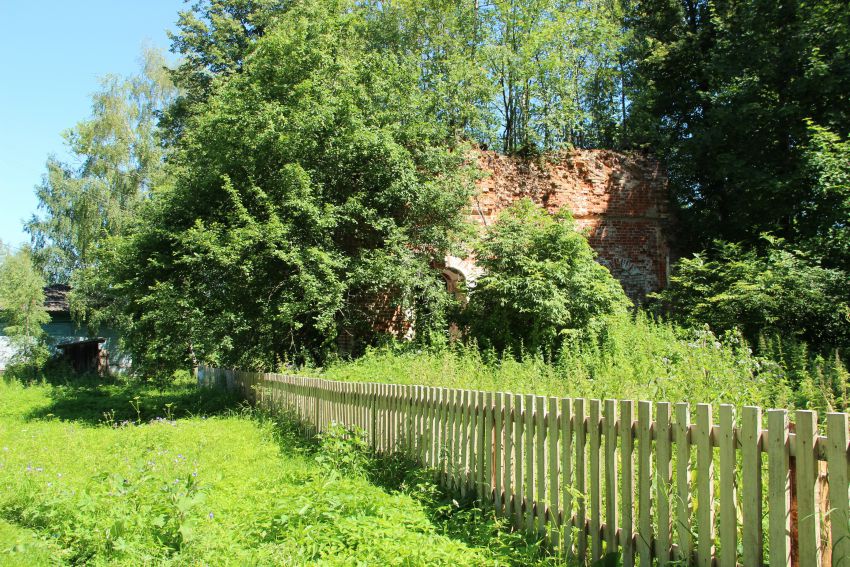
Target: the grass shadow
pixel 97 400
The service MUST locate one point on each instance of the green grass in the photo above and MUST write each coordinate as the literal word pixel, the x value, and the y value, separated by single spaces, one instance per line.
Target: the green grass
pixel 636 358
pixel 117 474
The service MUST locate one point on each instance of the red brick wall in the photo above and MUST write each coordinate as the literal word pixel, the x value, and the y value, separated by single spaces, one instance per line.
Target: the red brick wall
pixel 619 199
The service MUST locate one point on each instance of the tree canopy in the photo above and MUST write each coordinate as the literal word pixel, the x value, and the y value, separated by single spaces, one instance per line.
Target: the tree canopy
pixel 22 311
pixel 118 159
pixel 307 186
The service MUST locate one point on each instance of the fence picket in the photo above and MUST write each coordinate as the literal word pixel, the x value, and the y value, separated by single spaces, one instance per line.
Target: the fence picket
pixel 837 460
pixel 705 486
pixel 457 429
pixel 808 522
pixel 507 426
pixel 683 490
pixel 540 458
pixel 481 453
pixel 751 486
pixel 529 462
pixel 610 433
pixel 498 436
pixel 644 537
pixel 566 522
pixel 779 489
pixel 663 481
pixel 465 440
pixel 580 426
pixel 594 429
pixel 728 519
pixel 552 435
pixel 519 476
pixel 627 480
pixel 489 448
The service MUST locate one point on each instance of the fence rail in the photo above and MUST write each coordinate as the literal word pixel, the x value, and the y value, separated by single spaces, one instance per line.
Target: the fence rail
pixel 601 476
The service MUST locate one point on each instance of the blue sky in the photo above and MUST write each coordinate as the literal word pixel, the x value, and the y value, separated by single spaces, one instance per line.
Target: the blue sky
pixel 52 55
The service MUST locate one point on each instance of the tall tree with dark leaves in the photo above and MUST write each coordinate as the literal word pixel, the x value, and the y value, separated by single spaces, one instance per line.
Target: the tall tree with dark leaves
pixel 213 38
pixel 723 92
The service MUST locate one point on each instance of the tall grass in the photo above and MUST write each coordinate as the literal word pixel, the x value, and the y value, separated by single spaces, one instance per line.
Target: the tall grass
pixel 634 357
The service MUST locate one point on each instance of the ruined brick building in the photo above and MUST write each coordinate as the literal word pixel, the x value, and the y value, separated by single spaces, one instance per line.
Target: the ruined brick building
pixel 619 200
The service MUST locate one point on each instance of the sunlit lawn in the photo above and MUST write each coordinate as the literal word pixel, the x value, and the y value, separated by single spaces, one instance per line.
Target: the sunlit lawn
pixel 87 478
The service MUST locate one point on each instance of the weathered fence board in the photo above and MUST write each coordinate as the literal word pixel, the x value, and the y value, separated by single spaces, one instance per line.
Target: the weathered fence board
pixel 597 477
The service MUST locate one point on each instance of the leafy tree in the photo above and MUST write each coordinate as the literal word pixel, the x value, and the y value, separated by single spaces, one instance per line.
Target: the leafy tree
pixel 776 291
pixel 307 186
pixel 541 283
pixel 722 91
pixel 556 69
pixel 523 75
pixel 121 159
pixel 213 38
pixel 825 223
pixel 22 308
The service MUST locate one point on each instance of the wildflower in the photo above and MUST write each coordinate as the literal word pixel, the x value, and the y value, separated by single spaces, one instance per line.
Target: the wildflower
pixel 212 515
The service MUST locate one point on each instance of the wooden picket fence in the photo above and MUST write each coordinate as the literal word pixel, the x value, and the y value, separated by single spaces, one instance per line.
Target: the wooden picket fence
pixel 601 476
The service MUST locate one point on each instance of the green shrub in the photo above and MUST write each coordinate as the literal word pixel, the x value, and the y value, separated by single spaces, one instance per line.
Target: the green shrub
pixel 776 291
pixel 541 284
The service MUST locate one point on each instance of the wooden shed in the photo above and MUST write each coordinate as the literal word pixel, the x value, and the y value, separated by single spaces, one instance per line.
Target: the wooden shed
pixel 86 355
